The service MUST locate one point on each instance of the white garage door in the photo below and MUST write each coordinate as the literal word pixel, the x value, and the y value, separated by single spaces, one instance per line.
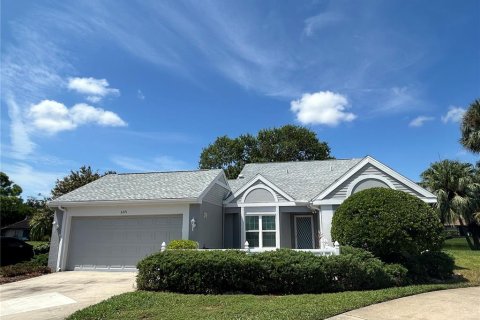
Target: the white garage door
pixel 118 243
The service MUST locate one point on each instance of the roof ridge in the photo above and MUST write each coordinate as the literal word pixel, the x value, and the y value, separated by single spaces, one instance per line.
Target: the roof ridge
pixel 175 171
pixel 304 161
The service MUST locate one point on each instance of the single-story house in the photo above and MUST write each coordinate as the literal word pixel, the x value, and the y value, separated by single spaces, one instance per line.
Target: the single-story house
pixel 113 222
pixel 19 230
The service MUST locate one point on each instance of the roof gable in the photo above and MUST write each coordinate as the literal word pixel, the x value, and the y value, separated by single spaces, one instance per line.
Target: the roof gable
pixel 302 180
pixel 369 168
pixel 257 180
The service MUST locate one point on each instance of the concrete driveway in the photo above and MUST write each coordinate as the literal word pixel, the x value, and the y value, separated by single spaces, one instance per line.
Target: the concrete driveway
pixel 57 295
pixel 462 304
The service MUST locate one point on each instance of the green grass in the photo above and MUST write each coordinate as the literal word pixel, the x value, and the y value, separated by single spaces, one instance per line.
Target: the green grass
pixel 37 243
pixel 467 262
pixel 158 305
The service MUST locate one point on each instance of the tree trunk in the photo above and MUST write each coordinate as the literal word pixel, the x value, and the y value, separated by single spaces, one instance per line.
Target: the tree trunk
pixel 474 230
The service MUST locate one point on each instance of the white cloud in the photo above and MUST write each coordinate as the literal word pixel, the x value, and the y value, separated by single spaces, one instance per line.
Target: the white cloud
pixel 22 145
pixel 160 163
pixel 52 117
pixel 32 180
pixel 454 114
pixel 419 121
pixel 96 89
pixel 320 21
pixel 140 95
pixel 323 107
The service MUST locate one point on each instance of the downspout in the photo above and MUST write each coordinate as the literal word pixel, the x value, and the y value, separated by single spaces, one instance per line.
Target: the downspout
pixel 316 208
pixel 62 231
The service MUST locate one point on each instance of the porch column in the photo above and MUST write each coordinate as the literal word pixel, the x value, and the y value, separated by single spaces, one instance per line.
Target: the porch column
pixel 277 227
pixel 242 227
pixel 325 217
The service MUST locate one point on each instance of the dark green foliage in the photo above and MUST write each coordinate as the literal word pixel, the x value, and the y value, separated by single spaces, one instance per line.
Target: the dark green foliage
pixel 37 265
pixel 429 265
pixel 470 127
pixel 41 249
pixel 42 219
pixel 287 143
pixel 281 272
pixel 12 208
pixel 40 259
pixel 182 244
pixel 389 223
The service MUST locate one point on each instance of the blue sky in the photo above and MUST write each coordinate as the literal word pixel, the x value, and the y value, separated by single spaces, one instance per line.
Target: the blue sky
pixel 144 85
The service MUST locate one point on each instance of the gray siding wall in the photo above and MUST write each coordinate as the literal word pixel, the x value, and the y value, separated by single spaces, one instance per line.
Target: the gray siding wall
pixel 209 225
pixel 216 195
pixel 232 231
pixel 341 191
pixel 287 224
pixel 259 183
pixel 55 241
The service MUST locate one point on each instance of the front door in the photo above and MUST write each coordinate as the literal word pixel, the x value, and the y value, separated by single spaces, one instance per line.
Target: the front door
pixel 304 232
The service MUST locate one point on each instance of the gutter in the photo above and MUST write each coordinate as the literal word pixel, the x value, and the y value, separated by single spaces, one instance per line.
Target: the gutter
pixel 62 232
pixel 53 204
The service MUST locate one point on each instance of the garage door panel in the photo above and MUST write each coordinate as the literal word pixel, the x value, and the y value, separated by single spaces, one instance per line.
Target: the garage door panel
pixel 118 243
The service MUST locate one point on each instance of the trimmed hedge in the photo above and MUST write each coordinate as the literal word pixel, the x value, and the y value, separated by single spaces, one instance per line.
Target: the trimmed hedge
pixel 182 244
pixel 281 272
pixel 389 223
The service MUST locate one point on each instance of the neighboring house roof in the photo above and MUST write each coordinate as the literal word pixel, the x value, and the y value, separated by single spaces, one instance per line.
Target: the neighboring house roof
pixel 143 186
pixel 303 180
pixel 24 224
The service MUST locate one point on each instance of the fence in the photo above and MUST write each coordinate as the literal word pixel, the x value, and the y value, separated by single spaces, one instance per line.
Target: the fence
pixel 325 249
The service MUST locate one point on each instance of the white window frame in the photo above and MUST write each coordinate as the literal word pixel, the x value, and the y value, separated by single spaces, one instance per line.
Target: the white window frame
pixel 296 232
pixel 260 228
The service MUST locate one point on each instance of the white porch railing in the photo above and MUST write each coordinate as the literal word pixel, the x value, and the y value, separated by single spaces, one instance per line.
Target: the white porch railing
pixel 325 249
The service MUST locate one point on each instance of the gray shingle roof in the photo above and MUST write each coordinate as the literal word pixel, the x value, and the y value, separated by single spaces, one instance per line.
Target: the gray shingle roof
pixel 302 180
pixel 144 186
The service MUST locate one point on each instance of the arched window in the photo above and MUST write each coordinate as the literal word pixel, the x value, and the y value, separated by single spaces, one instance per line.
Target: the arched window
pixel 367 182
pixel 260 194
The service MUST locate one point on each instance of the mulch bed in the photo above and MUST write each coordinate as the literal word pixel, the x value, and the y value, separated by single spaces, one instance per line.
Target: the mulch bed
pixel 4 280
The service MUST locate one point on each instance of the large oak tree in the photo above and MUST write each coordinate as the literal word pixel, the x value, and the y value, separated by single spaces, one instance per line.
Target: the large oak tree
pixel 287 143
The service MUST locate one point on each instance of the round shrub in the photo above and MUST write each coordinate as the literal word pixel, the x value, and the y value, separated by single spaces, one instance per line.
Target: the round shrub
pixel 389 223
pixel 182 244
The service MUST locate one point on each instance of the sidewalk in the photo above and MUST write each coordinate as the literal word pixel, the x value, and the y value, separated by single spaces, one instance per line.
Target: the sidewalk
pixel 462 304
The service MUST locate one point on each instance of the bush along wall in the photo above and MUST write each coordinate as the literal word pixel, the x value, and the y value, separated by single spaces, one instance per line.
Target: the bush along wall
pixel 277 272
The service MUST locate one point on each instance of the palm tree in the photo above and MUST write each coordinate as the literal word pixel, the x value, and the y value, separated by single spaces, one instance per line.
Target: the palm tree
pixel 458 195
pixel 471 128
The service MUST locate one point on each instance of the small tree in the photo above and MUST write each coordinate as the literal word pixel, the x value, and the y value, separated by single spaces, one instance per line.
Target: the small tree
pixel 12 208
pixel 76 179
pixel 42 219
pixel 470 128
pixel 457 186
pixel 389 223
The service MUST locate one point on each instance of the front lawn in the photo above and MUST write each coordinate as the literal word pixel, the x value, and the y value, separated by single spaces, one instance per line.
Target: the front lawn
pixel 158 305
